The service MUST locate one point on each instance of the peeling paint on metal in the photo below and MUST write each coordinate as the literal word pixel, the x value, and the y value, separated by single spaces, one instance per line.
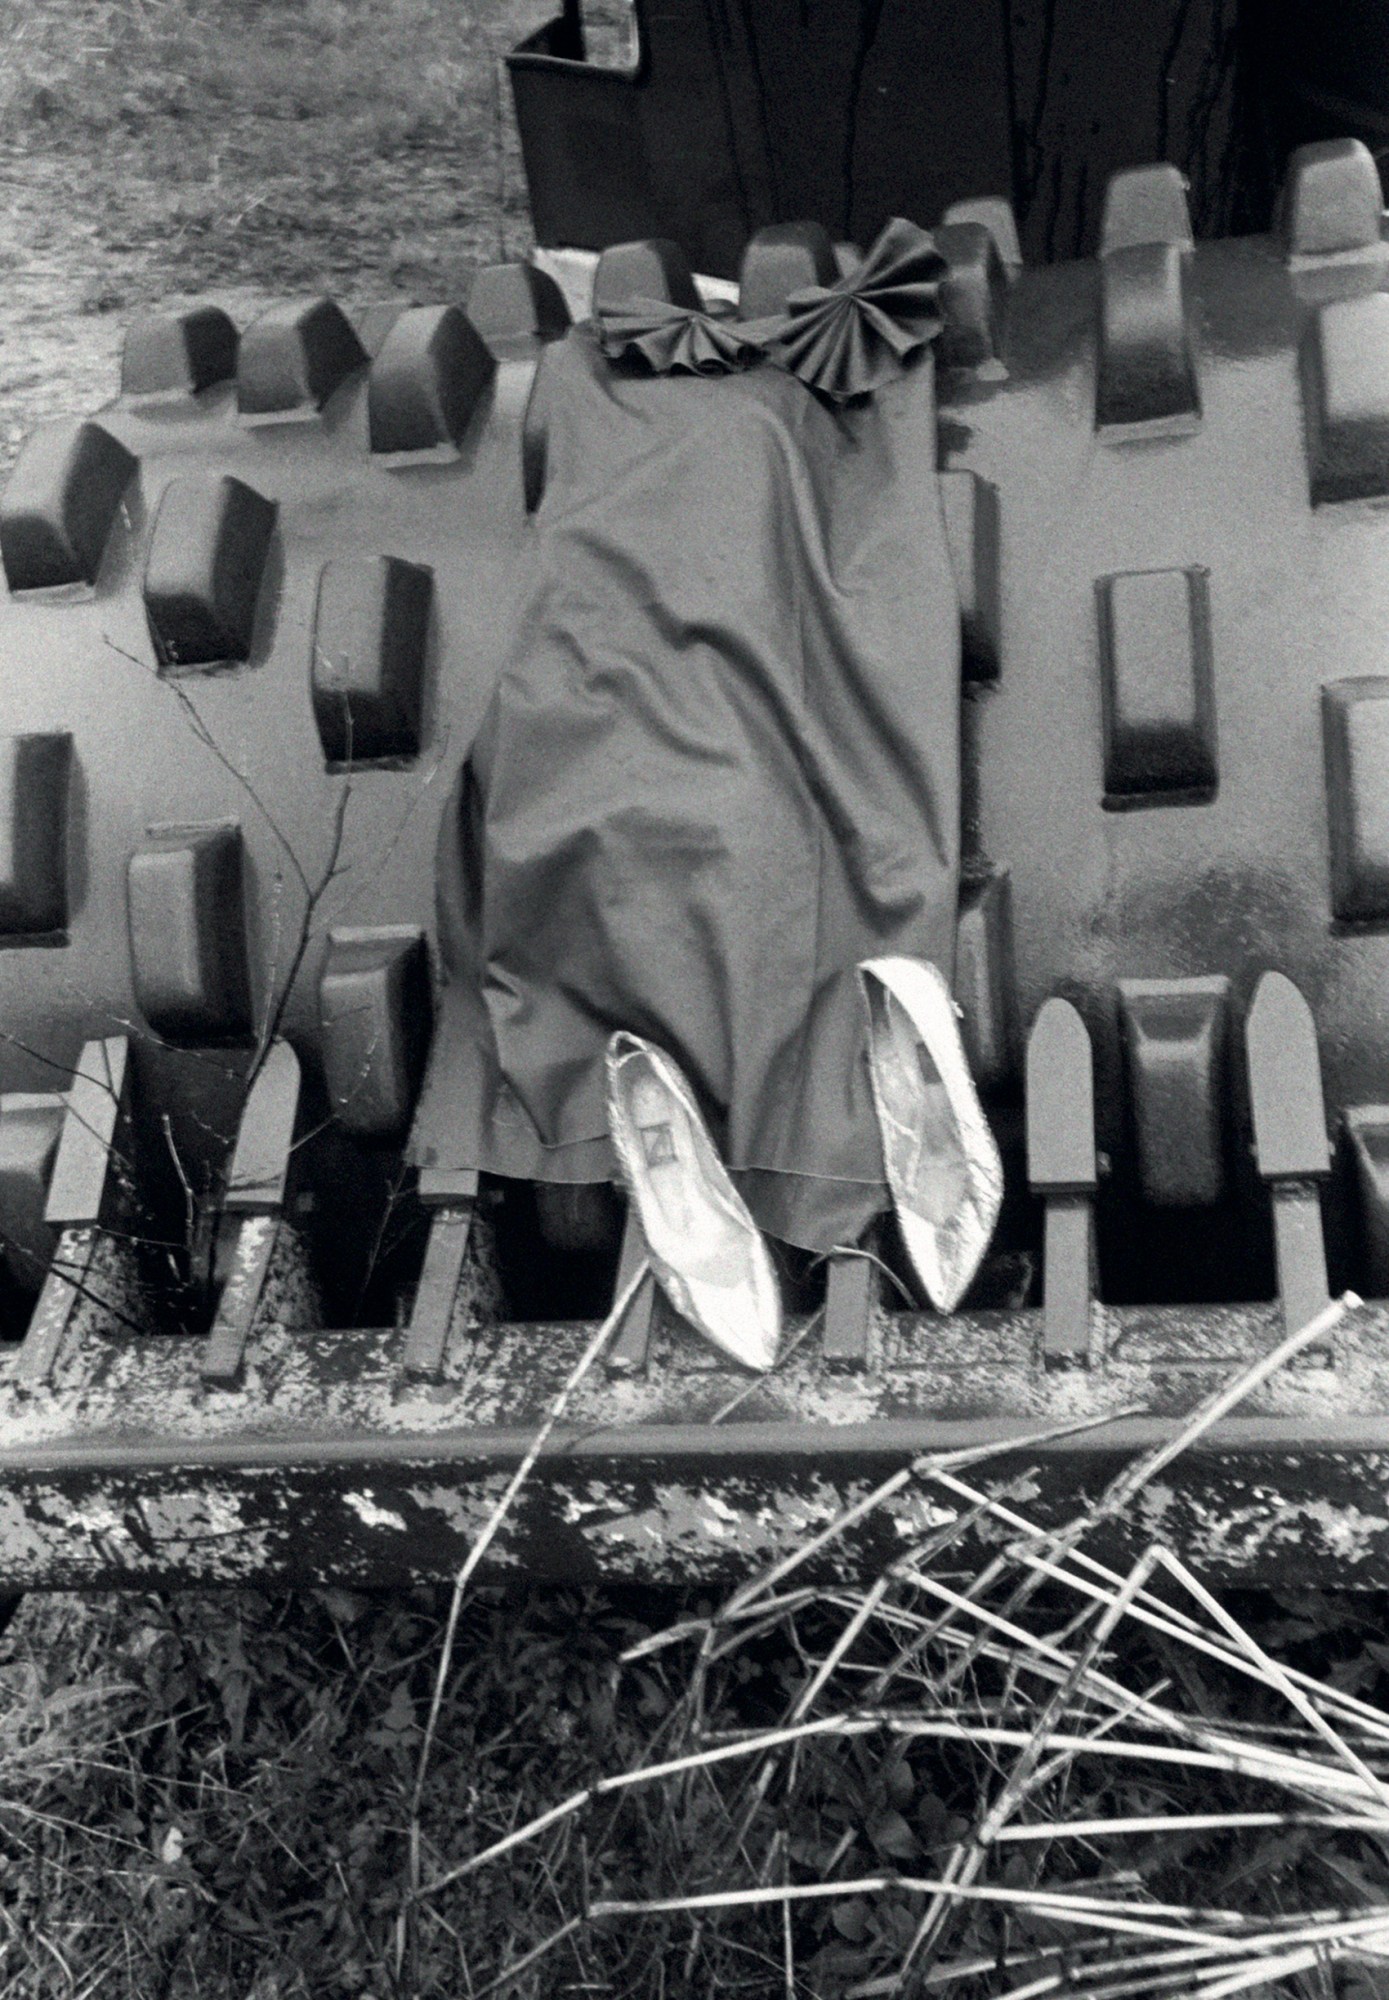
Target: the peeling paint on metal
pixel 595 1498
pixel 679 1523
pixel 367 1510
pixel 463 1509
pixel 29 1548
pixel 345 1383
pixel 132 1411
pixel 207 1526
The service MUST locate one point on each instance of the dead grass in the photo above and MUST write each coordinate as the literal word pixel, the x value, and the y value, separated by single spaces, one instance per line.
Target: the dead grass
pixel 1128 1793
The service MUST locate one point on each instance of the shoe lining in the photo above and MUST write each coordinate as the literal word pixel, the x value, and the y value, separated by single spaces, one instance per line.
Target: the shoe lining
pixel 923 1131
pixel 679 1182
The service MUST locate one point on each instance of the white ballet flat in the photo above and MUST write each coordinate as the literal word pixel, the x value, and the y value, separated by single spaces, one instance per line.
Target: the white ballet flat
pixel 941 1162
pixel 704 1246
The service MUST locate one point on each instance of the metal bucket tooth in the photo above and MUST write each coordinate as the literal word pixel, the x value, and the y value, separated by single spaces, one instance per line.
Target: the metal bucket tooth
pixel 1062 1167
pixel 433 1314
pixel 851 1295
pixel 513 306
pixel 178 355
pixel 258 1250
pixel 1367 1129
pixel 1290 1142
pixel 629 1349
pixel 30 1125
pixel 88 1197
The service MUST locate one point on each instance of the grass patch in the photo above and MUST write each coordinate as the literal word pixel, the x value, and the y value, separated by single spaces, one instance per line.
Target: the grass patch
pixel 211 1794
pixel 236 139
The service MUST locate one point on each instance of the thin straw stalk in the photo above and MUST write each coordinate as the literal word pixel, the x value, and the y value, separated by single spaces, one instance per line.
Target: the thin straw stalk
pixel 1131 1481
pixel 1272 1673
pixel 487 1534
pixel 945 1460
pixel 1091 1912
pixel 1213 1822
pixel 1108 1689
pixel 968 1859
pixel 1153 1612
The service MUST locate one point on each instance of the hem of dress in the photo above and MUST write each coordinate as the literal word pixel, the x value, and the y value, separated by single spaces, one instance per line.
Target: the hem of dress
pixel 810 1211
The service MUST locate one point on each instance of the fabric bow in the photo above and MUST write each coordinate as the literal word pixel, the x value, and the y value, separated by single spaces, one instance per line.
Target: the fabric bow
pixel 674 340
pixel 847 339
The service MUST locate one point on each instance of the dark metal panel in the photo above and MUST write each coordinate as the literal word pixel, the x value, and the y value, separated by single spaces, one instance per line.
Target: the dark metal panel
pixel 745 112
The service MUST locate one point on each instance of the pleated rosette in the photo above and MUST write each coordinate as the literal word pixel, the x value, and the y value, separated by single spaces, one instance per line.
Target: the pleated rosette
pixel 674 340
pixel 847 339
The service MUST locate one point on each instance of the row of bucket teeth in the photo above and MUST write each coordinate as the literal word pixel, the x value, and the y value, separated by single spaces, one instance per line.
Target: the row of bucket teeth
pixel 1147 372
pixel 80 1167
pixel 71 1209
pixel 295 356
pixel 431 364
pixel 65 1159
pixel 1330 228
pixel 375 1012
pixel 1176 1035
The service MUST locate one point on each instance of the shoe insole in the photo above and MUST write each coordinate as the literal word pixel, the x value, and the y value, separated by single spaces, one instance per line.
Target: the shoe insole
pixel 678 1179
pixel 927 1145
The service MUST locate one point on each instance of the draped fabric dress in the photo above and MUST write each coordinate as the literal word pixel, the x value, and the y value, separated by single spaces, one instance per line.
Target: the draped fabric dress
pixel 720 768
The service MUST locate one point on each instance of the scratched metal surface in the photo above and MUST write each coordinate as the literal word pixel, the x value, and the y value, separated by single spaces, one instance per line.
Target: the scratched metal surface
pixel 975 1369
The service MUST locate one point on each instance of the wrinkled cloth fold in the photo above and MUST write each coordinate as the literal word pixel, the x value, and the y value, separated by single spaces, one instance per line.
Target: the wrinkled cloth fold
pixel 844 341
pixel 720 767
pixel 848 339
pixel 674 340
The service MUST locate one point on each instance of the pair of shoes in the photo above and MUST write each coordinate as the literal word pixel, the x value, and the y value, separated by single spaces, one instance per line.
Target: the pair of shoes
pixel 941 1164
